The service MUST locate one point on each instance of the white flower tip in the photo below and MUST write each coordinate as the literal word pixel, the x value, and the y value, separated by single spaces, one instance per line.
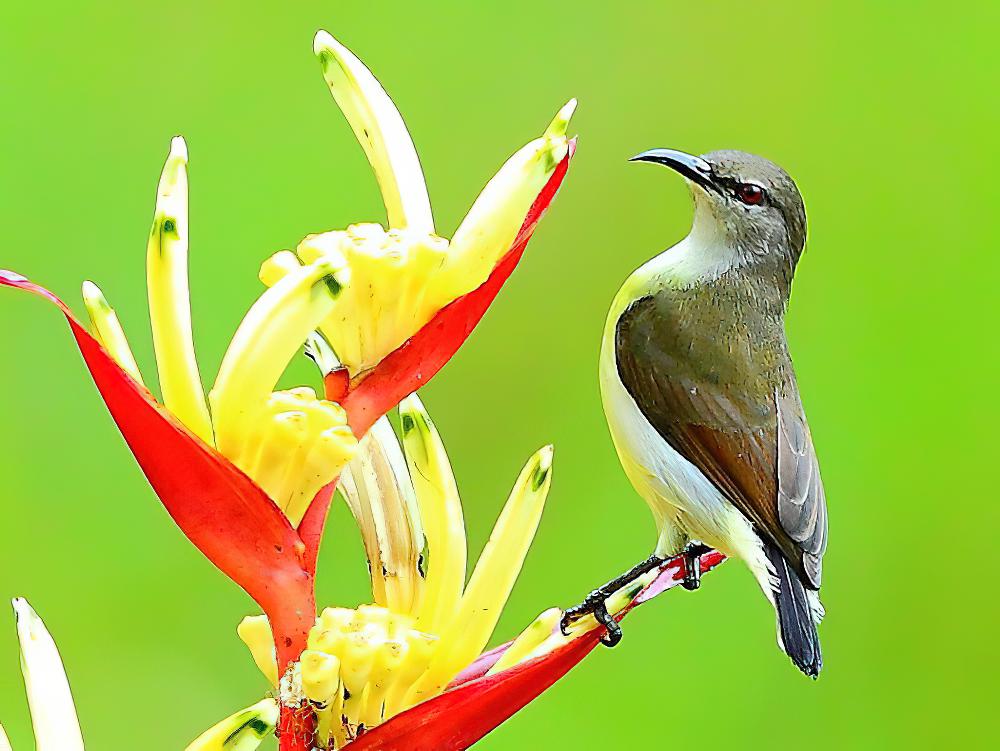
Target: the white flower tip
pixel 560 123
pixel 179 149
pixel 543 467
pixel 91 293
pixel 29 625
pixel 324 42
pixel 21 606
pixel 545 455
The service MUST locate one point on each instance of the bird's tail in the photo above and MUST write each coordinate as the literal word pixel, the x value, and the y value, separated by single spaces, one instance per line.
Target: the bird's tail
pixel 799 611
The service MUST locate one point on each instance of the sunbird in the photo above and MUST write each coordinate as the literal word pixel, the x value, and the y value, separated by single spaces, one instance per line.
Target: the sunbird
pixel 701 396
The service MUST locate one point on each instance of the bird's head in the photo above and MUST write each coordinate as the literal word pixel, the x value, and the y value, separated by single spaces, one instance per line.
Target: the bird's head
pixel 744 203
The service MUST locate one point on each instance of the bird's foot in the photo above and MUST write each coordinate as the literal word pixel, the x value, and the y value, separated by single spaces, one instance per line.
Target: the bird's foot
pixel 693 552
pixel 595 603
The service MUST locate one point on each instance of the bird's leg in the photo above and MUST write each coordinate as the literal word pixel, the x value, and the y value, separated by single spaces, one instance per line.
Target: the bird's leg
pixel 693 552
pixel 595 602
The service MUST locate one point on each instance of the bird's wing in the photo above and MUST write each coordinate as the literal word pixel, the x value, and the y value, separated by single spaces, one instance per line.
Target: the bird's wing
pixel 757 451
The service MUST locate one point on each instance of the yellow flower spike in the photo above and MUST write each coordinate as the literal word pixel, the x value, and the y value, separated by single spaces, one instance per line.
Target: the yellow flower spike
pixel 108 330
pixel 492 580
pixel 492 224
pixel 528 640
pixel 320 675
pixel 396 288
pixel 169 298
pixel 336 618
pixel 267 339
pixel 330 731
pixel 332 450
pixel 389 658
pixel 53 715
pixel 278 266
pixel 440 511
pixel 379 477
pixel 298 442
pixel 372 615
pixel 327 640
pixel 355 670
pixel 278 448
pixel 242 731
pixel 255 632
pixel 381 132
pixel 419 651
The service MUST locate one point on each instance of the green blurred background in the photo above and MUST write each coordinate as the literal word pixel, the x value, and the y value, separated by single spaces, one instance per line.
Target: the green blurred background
pixel 885 113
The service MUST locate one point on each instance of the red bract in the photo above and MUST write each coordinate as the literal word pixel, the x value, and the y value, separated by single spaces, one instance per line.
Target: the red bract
pixel 219 508
pixel 476 703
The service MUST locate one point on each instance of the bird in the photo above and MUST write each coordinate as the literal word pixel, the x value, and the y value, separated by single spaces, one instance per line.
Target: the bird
pixel 702 400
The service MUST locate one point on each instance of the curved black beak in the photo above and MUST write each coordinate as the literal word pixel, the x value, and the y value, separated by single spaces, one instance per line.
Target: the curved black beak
pixel 692 167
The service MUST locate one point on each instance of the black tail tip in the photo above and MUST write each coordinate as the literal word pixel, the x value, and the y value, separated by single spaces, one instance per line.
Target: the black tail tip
pixel 796 623
pixel 812 669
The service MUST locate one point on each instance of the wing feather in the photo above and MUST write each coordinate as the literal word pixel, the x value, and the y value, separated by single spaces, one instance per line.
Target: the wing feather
pixel 754 447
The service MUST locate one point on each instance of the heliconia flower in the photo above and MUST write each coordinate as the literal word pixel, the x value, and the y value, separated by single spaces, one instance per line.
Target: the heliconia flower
pixel 401 276
pixel 53 714
pixel 248 472
pixel 414 657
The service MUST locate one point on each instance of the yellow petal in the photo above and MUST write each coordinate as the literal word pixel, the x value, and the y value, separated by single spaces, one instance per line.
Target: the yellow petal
pixel 267 339
pixel 491 226
pixel 108 330
pixel 320 675
pixel 380 130
pixel 440 512
pixel 169 299
pixel 242 731
pixel 528 640
pixel 255 632
pixel 493 578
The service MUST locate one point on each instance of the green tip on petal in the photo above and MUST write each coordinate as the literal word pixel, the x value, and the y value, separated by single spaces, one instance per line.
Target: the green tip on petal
pixel 242 731
pixel 560 123
pixel 412 415
pixel 543 467
pixel 93 297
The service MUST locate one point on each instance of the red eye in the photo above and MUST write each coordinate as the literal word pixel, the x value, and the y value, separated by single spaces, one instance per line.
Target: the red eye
pixel 750 194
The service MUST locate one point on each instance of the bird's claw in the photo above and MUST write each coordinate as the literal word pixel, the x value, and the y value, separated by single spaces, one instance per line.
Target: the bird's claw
pixel 596 605
pixel 693 552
